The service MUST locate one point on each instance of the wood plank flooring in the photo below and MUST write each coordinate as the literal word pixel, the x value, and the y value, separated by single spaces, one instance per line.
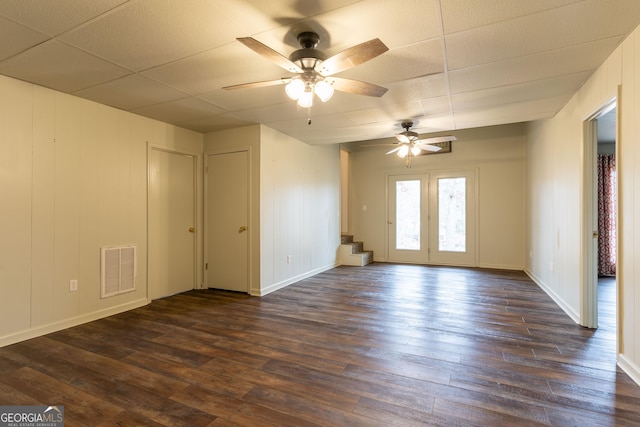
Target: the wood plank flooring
pixel 381 345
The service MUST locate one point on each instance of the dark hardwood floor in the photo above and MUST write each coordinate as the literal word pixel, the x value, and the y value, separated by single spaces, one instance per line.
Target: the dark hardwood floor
pixel 385 345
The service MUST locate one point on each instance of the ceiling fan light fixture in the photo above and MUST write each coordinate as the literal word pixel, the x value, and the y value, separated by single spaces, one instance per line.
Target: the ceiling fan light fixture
pixel 324 90
pixel 403 151
pixel 306 98
pixel 294 89
pixel 415 150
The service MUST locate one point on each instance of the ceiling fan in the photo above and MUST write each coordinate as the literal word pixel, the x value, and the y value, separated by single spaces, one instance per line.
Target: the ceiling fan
pixel 315 71
pixel 409 145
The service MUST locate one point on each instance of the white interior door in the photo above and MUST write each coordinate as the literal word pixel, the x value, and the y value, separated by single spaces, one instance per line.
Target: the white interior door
pixel 172 219
pixel 227 265
pixel 453 218
pixel 407 218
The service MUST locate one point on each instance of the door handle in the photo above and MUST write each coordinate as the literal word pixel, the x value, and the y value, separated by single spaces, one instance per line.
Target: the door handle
pixel 192 230
pixel 243 228
pixel 389 222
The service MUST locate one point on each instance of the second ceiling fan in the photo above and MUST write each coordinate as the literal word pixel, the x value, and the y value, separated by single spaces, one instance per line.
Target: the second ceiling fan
pixel 315 71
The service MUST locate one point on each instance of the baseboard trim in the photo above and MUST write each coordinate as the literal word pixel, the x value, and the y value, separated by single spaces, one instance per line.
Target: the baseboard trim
pixel 629 368
pixel 501 267
pixel 283 284
pixel 70 322
pixel 561 303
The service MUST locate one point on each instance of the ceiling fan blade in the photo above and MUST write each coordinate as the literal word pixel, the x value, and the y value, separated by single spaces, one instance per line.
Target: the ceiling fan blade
pixel 356 87
pixel 437 139
pixel 394 150
pixel 351 57
pixel 270 54
pixel 428 147
pixel 283 80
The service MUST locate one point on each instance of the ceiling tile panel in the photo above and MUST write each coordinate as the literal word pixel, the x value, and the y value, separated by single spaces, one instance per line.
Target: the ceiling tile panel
pixel 146 33
pixel 397 23
pixel 180 110
pixel 552 29
pixel 227 65
pixel 507 95
pixel 460 15
pixel 131 92
pixel 61 67
pixel 22 38
pixel 516 112
pixel 570 60
pixel 248 98
pixel 257 16
pixel 215 123
pixel 395 112
pixel 409 62
pixel 55 17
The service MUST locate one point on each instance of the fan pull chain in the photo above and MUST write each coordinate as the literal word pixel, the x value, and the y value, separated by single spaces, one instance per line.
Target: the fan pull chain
pixel 309 116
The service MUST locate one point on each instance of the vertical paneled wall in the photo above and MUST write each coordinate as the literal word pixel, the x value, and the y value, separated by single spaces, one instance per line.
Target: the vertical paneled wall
pixel 554 210
pixel 73 178
pixel 300 209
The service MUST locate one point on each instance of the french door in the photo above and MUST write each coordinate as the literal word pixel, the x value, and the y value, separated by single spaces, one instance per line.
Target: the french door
pixel 432 218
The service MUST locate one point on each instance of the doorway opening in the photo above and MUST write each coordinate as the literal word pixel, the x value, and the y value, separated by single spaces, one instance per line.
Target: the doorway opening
pixel 600 308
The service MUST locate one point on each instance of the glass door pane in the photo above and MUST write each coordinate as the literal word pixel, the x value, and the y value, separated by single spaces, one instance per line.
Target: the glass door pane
pixel 407 218
pixel 452 214
pixel 408 214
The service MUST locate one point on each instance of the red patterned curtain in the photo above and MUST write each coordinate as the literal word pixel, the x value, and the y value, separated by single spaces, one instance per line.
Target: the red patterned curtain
pixel 607 214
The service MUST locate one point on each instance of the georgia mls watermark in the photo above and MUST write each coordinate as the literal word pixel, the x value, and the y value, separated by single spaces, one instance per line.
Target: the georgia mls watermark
pixel 31 416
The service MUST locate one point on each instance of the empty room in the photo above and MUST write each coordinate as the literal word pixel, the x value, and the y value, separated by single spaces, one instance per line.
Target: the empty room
pixel 322 213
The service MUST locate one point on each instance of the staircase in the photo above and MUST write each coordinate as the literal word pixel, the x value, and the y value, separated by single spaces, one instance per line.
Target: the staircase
pixel 352 253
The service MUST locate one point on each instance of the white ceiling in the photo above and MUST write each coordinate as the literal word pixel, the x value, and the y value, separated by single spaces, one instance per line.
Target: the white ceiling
pixel 451 64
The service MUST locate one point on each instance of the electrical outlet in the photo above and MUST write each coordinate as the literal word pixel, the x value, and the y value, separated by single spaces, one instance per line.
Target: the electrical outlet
pixel 73 285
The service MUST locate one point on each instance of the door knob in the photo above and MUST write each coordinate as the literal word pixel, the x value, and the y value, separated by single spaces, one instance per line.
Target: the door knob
pixel 192 230
pixel 243 228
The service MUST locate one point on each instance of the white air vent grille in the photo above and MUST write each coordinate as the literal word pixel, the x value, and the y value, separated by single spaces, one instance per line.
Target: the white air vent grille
pixel 117 270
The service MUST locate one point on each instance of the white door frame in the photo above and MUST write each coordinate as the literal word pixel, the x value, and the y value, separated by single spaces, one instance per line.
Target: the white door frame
pixel 589 230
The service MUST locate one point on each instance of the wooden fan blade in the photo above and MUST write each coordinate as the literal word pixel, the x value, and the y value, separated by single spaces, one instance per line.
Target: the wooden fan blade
pixel 283 80
pixel 270 54
pixel 356 87
pixel 427 147
pixel 437 139
pixel 394 150
pixel 351 57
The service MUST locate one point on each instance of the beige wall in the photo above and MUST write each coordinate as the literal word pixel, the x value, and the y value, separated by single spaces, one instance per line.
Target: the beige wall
pixel 497 153
pixel 554 204
pixel 300 209
pixel 295 204
pixel 73 176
